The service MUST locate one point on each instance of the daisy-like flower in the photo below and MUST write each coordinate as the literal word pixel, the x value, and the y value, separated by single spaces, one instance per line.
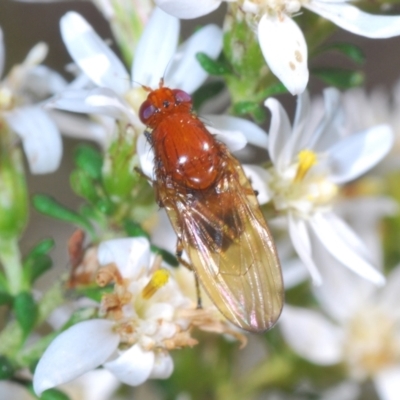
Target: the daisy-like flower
pixel 281 40
pixel 308 165
pixel 359 327
pixel 119 95
pixel 144 318
pixel 26 84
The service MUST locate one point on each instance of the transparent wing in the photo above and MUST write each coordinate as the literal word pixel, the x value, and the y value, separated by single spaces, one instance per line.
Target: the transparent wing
pixel 230 247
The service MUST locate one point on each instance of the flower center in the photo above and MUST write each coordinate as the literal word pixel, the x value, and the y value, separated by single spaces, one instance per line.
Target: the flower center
pixel 271 7
pixel 135 97
pixel 157 281
pixel 303 186
pixel 6 99
pixel 371 343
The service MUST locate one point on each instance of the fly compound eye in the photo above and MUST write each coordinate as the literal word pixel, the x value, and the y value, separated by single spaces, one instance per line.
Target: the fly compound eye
pixel 181 96
pixel 146 111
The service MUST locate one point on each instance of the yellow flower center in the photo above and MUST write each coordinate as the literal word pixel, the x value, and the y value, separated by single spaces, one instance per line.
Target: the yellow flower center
pixel 303 186
pixel 6 98
pixel 371 343
pixel 135 97
pixel 157 281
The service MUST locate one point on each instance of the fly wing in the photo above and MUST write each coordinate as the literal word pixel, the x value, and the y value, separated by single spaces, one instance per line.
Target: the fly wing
pixel 230 247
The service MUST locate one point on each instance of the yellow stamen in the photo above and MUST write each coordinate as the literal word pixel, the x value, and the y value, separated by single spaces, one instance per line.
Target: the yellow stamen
pixel 307 159
pixel 157 281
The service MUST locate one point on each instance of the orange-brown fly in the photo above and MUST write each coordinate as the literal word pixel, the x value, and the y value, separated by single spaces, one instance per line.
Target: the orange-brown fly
pixel 214 212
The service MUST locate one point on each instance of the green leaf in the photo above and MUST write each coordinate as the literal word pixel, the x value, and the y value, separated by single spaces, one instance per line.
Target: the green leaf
pixel 272 90
pixel 89 160
pixel 166 255
pixel 206 92
pixel 348 49
pixel 83 185
pixel 257 111
pixel 25 311
pixel 212 67
pixel 6 368
pixel 49 394
pixel 43 247
pixel 51 207
pixel 340 78
pixel 35 266
pixel 5 298
pixel 94 292
pixel 134 229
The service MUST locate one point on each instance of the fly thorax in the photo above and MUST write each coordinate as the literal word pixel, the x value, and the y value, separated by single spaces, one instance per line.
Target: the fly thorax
pixel 371 343
pixel 302 187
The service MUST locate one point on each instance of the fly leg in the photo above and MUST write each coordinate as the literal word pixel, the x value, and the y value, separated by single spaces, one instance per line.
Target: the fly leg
pixel 179 251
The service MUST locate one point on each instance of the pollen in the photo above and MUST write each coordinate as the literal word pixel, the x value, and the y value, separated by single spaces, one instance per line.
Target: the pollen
pixel 135 97
pixel 307 159
pixel 157 281
pixel 6 98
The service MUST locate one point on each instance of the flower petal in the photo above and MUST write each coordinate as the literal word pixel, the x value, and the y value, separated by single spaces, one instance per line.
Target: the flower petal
pixel 92 55
pixel 311 335
pixel 129 254
pixel 43 81
pixel 188 9
pixel 356 21
pixel 75 351
pixel 40 138
pixel 344 245
pixel 155 49
pixel 133 366
pixel 285 50
pixel 387 383
pixel 258 177
pixel 356 154
pixel 146 157
pixel 185 72
pixel 301 242
pixel 2 53
pixel 280 132
pixel 163 366
pixel 252 132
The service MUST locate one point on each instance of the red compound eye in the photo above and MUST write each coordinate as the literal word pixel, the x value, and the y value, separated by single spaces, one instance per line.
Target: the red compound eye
pixel 181 96
pixel 146 111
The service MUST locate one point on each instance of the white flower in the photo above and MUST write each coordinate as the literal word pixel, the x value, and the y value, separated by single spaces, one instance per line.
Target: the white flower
pixel 362 331
pixel 308 166
pixel 157 55
pixel 20 91
pixel 143 323
pixel 281 40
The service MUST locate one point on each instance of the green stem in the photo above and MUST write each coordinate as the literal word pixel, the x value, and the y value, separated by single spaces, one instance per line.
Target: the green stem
pixel 11 260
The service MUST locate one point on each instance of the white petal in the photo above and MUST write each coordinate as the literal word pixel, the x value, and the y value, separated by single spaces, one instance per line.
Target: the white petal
pixel 301 242
pixel 43 81
pixel 40 138
pixel 294 272
pixel 356 154
pixel 280 132
pixel 285 50
pixel 92 55
pixel 163 366
pixel 311 335
pixel 82 128
pixel 390 297
pixel 344 245
pixel 133 366
pixel 258 177
pixel 12 390
pixel 234 140
pixel 155 49
pixel 79 349
pixel 36 55
pixel 99 384
pixel 129 254
pixel 185 9
pixel 356 21
pixel 347 390
pixel 342 291
pixel 387 383
pixel 146 157
pixel 185 72
pixel 2 53
pixel 252 132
